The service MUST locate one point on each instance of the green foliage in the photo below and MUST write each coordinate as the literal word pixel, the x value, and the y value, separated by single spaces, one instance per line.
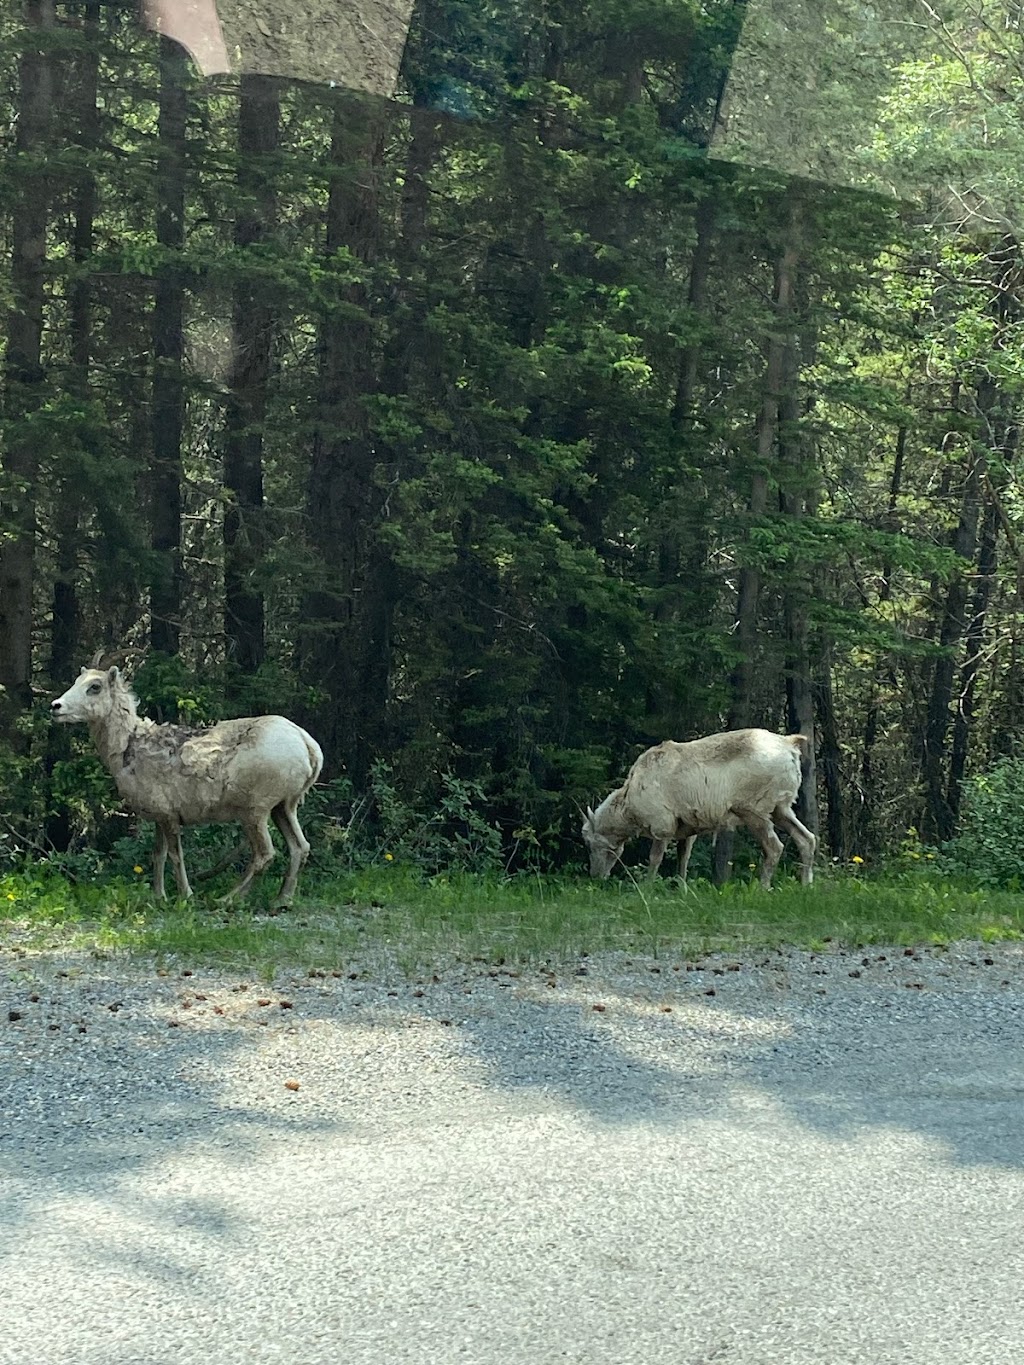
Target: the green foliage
pixel 168 691
pixel 449 830
pixel 987 850
pixel 456 834
pixel 501 540
pixel 83 786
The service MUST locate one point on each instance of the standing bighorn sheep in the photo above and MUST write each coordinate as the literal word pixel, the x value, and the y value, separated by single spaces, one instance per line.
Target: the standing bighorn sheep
pixel 247 771
pixel 677 791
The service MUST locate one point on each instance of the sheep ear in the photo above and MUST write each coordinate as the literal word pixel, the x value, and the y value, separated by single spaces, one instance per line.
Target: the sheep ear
pixel 590 815
pixel 113 674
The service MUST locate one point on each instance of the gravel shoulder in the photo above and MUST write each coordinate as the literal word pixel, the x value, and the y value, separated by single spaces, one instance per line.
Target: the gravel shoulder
pixel 782 1157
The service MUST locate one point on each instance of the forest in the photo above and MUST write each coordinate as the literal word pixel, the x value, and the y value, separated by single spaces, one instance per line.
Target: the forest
pixel 497 431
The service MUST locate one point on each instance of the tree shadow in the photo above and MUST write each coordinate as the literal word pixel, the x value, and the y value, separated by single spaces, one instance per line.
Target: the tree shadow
pixel 945 1065
pixel 100 1107
pixel 110 1136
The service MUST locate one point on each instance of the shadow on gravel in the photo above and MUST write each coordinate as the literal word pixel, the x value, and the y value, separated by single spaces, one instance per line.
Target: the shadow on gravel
pixel 113 1120
pixel 104 1090
pixel 617 1065
pixel 946 1065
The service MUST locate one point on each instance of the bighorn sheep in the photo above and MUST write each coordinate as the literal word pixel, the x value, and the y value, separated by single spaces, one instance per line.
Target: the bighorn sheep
pixel 240 770
pixel 677 791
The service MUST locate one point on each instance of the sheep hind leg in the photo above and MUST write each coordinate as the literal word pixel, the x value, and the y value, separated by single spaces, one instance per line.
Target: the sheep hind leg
pixel 262 846
pixel 764 832
pixel 805 841
pixel 285 818
pixel 222 863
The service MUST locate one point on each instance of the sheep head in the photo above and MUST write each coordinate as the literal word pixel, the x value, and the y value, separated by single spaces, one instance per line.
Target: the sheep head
pixel 604 852
pixel 89 698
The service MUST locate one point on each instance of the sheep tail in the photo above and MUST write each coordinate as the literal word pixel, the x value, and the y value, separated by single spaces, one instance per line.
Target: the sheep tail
pixel 316 762
pixel 805 750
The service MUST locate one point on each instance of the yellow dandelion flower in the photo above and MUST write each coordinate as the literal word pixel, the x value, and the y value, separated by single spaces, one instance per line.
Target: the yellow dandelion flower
pixel 136 868
pixel 11 896
pixel 389 857
pixel 857 859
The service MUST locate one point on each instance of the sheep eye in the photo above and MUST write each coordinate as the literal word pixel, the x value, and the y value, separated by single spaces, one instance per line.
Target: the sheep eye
pixel 92 690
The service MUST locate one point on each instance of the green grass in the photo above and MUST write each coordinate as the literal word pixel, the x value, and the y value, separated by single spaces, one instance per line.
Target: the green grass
pixel 367 918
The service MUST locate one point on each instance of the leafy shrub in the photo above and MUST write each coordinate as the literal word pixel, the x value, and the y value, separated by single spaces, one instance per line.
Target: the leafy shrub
pixel 446 831
pixel 987 851
pixel 168 691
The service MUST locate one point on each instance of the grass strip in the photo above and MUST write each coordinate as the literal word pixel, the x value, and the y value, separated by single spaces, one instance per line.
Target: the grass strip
pixel 397 916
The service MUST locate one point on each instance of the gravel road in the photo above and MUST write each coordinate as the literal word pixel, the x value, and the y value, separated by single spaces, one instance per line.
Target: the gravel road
pixel 786 1158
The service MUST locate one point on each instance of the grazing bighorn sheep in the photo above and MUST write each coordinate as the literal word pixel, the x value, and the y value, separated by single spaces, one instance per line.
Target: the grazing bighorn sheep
pixel 677 791
pixel 240 770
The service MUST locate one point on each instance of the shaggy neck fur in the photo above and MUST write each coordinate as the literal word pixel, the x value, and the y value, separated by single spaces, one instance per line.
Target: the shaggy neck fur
pixel 612 820
pixel 112 733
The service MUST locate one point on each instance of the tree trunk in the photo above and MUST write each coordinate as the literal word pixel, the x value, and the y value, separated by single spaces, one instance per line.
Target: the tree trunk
pixel 700 273
pixel 23 369
pixel 682 549
pixel 253 339
pixel 412 358
pixel 168 407
pixel 348 638
pixel 829 760
pixel 800 705
pixel 1002 435
pixel 798 499
pixel 938 817
pixel 867 813
pixel 741 680
pixel 974 640
pixel 65 643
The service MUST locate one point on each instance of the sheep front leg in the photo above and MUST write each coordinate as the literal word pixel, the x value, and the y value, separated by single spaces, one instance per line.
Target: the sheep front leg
pixel 159 861
pixel 658 847
pixel 178 861
pixel 685 849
